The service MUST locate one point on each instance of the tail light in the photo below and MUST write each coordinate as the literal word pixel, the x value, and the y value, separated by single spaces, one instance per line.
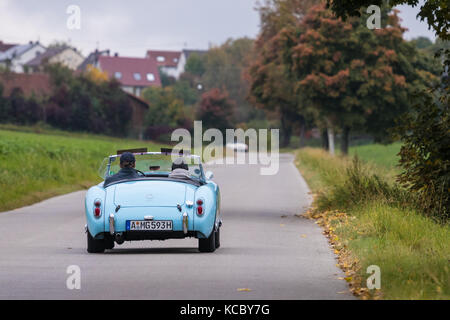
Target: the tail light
pixel 97 210
pixel 199 207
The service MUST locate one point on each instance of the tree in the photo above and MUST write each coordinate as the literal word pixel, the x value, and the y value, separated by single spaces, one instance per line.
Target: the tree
pixel 164 107
pixel 425 153
pixel 349 76
pixel 271 86
pixel 216 110
pixel 422 42
pixel 185 91
pixel 195 65
pixel 96 75
pixel 435 12
pixel 225 67
pixel 4 107
pixel 87 102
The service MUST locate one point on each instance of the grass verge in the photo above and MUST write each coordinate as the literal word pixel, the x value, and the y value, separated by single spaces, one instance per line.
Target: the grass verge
pixel 370 220
pixel 35 166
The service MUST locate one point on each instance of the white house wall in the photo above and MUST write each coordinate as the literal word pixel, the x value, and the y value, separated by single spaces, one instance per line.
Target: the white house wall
pixel 18 62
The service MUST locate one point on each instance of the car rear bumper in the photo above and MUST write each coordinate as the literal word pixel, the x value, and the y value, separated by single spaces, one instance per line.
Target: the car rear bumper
pixel 157 235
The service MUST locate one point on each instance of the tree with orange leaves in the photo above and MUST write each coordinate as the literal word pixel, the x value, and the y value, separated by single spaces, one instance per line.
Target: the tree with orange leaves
pixel 271 87
pixel 350 76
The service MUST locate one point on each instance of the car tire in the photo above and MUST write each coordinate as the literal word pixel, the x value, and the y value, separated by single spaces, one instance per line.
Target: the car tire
pixel 217 238
pixel 95 245
pixel 109 242
pixel 208 244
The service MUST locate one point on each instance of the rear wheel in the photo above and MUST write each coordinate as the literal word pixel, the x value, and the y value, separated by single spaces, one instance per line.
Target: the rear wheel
pixel 95 245
pixel 217 238
pixel 109 241
pixel 208 244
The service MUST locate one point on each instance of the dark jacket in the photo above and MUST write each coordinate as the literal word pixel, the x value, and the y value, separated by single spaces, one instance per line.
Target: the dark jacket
pixel 123 174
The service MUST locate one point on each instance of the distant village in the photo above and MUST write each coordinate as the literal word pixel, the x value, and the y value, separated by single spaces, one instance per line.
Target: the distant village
pixel 25 65
pixel 133 73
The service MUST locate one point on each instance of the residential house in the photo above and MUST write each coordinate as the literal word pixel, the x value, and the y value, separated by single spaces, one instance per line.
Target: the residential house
pixel 17 56
pixel 92 59
pixel 6 46
pixel 172 63
pixel 167 61
pixel 134 74
pixel 64 55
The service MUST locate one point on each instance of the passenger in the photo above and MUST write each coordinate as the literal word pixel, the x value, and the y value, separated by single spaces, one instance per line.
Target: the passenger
pixel 180 170
pixel 127 171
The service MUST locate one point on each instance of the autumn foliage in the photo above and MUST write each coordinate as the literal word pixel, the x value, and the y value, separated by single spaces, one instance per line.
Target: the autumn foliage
pixel 216 109
pixel 316 68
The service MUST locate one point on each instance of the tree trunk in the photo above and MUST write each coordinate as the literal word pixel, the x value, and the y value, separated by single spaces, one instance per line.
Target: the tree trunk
pixel 324 140
pixel 331 140
pixel 302 136
pixel 345 140
pixel 286 137
pixel 287 132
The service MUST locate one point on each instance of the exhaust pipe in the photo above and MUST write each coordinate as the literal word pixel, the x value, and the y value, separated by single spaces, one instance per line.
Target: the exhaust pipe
pixel 119 238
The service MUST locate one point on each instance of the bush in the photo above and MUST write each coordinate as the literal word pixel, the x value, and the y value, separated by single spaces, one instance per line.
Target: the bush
pixel 216 110
pixel 425 154
pixel 358 184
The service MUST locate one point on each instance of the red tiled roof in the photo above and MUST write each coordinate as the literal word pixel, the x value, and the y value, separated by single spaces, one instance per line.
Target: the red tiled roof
pixel 36 83
pixel 171 58
pixel 6 46
pixel 128 67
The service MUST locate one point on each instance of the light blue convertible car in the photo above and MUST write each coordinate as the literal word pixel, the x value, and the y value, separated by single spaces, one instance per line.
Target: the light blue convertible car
pixel 154 205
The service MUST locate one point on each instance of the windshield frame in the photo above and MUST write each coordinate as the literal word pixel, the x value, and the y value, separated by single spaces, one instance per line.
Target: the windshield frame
pixel 195 158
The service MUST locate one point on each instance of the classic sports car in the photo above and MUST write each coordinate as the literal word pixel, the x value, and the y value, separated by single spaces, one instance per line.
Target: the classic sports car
pixel 153 206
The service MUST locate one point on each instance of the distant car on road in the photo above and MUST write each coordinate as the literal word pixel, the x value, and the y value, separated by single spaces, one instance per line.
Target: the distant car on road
pixel 153 206
pixel 239 147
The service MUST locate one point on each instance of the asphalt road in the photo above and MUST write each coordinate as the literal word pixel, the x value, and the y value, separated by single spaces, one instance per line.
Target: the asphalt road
pixel 266 249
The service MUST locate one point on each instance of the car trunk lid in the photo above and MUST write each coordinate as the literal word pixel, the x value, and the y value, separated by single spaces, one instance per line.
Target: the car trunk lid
pixel 153 193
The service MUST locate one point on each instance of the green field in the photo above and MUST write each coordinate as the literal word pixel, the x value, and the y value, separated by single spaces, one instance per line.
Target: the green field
pixel 371 220
pixel 382 155
pixel 35 166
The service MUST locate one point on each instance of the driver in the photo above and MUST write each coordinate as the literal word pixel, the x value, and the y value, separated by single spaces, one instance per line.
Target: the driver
pixel 127 171
pixel 180 170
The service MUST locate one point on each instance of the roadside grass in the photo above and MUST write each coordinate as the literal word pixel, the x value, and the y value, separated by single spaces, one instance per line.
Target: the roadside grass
pixel 370 220
pixel 36 166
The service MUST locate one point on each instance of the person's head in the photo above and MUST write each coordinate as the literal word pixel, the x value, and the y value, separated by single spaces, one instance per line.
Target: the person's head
pixel 179 164
pixel 127 160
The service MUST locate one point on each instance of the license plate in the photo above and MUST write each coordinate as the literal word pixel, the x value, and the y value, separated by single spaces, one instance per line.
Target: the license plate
pixel 144 225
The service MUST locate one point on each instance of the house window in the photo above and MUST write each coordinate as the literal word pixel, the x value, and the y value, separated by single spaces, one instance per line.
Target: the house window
pixel 117 75
pixel 137 76
pixel 175 59
pixel 160 59
pixel 150 77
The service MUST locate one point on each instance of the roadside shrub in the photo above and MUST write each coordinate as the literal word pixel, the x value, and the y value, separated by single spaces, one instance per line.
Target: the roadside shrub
pixel 23 110
pixel 425 154
pixel 359 184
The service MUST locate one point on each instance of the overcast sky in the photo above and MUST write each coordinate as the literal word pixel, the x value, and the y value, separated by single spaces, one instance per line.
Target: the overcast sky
pixel 134 26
